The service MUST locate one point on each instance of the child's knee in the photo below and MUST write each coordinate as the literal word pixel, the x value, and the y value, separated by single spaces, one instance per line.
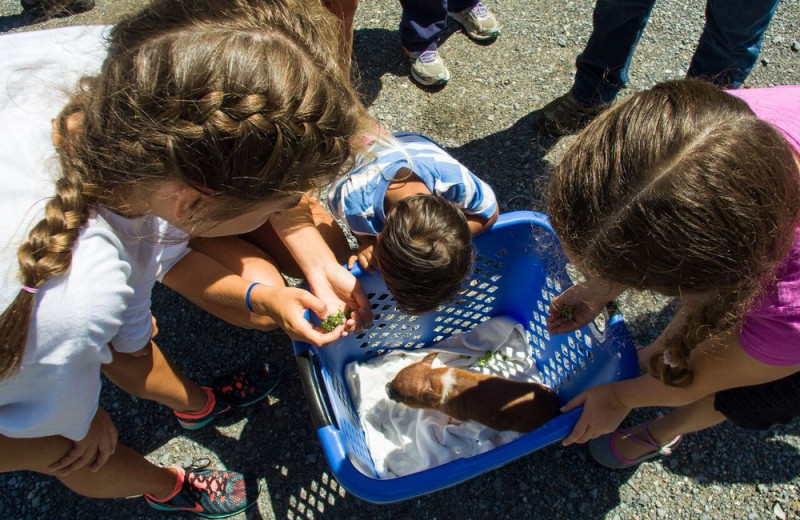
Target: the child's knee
pixel 34 454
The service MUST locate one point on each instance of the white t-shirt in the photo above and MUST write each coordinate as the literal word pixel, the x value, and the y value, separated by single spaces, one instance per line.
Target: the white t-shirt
pixel 105 297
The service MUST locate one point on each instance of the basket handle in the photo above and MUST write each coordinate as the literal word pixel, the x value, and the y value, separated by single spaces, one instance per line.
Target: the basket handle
pixel 319 402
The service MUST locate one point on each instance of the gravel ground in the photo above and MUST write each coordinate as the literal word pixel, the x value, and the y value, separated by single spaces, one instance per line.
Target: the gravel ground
pixel 483 117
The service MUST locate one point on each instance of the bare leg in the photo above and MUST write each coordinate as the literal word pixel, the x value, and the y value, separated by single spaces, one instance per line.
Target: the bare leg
pixel 345 11
pixel 267 239
pixel 125 474
pixel 152 376
pixel 248 261
pixel 680 421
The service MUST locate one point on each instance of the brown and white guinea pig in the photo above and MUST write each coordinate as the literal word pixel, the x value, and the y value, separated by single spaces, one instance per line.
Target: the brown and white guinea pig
pixel 496 402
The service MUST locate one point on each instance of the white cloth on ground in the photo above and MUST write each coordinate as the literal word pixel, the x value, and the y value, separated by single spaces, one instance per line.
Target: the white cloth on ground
pixel 404 440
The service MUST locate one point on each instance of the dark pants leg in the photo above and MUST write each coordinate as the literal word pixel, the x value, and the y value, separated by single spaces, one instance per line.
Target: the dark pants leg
pixel 731 40
pixel 602 67
pixel 424 20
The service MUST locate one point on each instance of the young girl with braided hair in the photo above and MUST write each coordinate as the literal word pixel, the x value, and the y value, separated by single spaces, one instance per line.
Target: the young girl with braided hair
pixel 195 118
pixel 692 192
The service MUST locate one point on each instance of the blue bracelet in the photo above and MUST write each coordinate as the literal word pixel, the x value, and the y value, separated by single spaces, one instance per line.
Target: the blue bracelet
pixel 247 296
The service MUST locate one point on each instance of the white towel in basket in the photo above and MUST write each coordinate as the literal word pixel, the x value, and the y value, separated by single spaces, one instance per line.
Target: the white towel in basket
pixel 404 440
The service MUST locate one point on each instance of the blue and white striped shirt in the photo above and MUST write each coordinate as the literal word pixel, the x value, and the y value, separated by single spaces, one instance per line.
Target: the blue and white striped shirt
pixel 358 198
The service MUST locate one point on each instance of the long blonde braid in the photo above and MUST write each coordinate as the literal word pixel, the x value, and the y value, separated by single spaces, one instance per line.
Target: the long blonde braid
pixel 244 99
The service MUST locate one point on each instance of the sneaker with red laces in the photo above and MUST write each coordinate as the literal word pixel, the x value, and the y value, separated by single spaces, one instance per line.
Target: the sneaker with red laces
pixel 247 386
pixel 242 388
pixel 209 493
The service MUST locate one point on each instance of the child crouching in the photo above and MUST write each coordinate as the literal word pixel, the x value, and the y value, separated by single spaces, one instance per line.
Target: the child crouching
pixel 414 210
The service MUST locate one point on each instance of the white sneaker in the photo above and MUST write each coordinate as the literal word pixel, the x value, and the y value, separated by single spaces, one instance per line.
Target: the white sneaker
pixel 478 22
pixel 428 68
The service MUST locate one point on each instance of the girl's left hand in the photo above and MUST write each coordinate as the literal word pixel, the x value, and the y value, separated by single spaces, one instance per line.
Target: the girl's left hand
pixel 365 256
pixel 93 450
pixel 602 413
pixel 340 290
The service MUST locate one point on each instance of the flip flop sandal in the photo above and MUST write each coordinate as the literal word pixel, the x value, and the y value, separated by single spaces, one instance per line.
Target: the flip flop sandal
pixel 603 449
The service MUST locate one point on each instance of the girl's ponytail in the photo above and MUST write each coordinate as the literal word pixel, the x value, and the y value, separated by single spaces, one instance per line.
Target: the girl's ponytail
pixel 46 253
pixel 672 365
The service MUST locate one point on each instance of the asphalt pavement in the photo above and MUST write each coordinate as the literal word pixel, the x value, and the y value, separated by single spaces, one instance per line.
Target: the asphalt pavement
pixel 484 118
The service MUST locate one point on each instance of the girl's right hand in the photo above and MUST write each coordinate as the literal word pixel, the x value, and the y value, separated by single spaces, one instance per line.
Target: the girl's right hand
pixel 287 306
pixel 572 309
pixel 94 449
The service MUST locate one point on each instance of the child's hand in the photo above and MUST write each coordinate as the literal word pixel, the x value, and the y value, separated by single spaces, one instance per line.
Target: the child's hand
pixel 571 310
pixel 365 258
pixel 578 305
pixel 602 413
pixel 287 307
pixel 339 289
pixel 94 449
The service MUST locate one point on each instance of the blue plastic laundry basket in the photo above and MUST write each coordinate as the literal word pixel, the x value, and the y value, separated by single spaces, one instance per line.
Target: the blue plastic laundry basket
pixel 519 269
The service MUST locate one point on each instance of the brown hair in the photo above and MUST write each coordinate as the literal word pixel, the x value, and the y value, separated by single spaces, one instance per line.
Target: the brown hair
pixel 425 252
pixel 244 99
pixel 679 189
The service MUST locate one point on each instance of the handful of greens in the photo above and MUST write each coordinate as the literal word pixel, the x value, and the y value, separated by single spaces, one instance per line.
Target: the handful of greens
pixel 334 320
pixel 567 312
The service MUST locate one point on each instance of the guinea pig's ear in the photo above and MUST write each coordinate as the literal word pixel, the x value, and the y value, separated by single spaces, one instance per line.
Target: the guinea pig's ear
pixel 428 360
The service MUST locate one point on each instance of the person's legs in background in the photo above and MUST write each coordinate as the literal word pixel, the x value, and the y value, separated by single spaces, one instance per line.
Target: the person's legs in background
pixel 421 25
pixel 731 40
pixel 345 11
pixel 602 67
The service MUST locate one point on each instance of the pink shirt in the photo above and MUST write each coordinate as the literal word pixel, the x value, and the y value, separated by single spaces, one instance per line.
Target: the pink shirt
pixel 770 332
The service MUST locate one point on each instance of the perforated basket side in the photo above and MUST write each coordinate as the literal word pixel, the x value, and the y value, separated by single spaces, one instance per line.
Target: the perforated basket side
pixel 519 268
pixel 502 255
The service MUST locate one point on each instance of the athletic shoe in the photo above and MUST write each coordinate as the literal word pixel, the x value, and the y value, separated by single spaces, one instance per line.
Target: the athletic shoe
pixel 247 386
pixel 478 22
pixel 428 68
pixel 35 11
pixel 213 408
pixel 209 493
pixel 566 115
pixel 237 390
